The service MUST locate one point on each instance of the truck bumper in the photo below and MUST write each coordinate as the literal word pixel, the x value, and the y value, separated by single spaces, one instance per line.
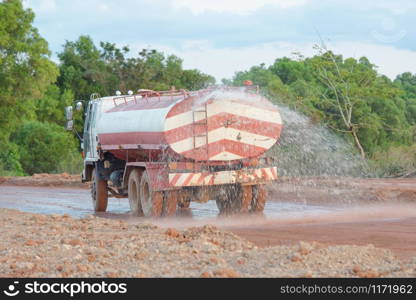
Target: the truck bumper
pixel 243 176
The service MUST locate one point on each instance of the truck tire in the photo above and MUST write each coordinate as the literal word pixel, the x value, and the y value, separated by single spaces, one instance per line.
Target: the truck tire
pixel 230 202
pixel 99 193
pixel 259 199
pixel 170 202
pixel 246 198
pixel 152 201
pixel 184 204
pixel 133 189
pixel 184 200
pixel 242 199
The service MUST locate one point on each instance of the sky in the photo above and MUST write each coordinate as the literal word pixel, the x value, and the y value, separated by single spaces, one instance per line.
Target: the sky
pixel 221 37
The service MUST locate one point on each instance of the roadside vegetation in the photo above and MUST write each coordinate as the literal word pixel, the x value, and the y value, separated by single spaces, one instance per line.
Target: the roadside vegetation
pixel 374 113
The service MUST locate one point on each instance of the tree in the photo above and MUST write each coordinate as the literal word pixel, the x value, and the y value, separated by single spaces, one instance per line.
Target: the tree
pixel 406 82
pixel 195 79
pixel 346 84
pixel 83 71
pixel 290 70
pixel 259 75
pixel 87 69
pixel 51 106
pixel 43 146
pixel 116 64
pixel 25 72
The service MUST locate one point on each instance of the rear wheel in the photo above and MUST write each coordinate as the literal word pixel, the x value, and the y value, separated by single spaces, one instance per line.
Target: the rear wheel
pixel 242 199
pixel 184 204
pixel 259 199
pixel 230 201
pixel 151 201
pixel 134 193
pixel 170 202
pixel 184 200
pixel 99 193
pixel 246 198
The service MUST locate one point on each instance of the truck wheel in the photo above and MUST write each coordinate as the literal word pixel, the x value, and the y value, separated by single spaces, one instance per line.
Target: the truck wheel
pixel 152 201
pixel 259 199
pixel 170 202
pixel 246 198
pixel 134 193
pixel 184 204
pixel 99 193
pixel 184 201
pixel 222 206
pixel 230 202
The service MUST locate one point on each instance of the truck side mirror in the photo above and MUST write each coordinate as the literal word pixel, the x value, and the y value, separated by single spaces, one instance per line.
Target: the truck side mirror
pixel 78 106
pixel 68 113
pixel 69 125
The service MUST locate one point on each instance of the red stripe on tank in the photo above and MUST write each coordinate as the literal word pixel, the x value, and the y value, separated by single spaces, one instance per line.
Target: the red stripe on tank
pixel 241 149
pixel 254 126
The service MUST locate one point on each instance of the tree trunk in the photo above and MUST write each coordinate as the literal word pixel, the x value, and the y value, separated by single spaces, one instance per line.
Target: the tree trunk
pixel 357 142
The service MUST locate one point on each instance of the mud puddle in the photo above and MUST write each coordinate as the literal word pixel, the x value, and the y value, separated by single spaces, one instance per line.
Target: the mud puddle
pixel 77 203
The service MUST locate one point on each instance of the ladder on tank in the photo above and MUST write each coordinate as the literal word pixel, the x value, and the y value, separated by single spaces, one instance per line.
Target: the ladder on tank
pixel 197 121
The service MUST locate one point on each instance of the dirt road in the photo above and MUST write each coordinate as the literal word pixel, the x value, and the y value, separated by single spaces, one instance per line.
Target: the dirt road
pixel 396 234
pixel 329 211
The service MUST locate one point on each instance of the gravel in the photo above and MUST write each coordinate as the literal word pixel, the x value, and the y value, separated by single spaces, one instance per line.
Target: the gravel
pixel 35 245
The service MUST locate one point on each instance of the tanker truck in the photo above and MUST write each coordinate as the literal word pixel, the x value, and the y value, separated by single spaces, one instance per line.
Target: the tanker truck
pixel 162 150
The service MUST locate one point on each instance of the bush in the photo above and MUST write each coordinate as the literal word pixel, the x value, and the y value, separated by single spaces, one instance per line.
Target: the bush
pixel 9 160
pixel 396 161
pixel 45 147
pixel 72 164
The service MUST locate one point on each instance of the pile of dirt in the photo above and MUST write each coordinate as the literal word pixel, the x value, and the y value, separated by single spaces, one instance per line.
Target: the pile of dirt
pixel 44 179
pixel 59 246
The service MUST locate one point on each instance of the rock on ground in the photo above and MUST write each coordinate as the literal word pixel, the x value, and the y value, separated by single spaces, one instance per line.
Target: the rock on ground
pixel 34 245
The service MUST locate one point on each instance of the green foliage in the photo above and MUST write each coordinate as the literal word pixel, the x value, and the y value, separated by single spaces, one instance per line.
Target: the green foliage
pixel 289 71
pixel 25 68
pixel 25 74
pixel 406 82
pixel 9 160
pixel 86 69
pixel 72 164
pixel 259 75
pixel 50 107
pixel 43 146
pixel 82 70
pixel 195 79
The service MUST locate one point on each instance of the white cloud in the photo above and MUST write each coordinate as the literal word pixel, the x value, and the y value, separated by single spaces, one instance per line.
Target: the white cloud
pixel 241 7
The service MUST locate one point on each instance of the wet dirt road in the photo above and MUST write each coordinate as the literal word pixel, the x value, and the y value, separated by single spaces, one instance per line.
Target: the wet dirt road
pixel 387 225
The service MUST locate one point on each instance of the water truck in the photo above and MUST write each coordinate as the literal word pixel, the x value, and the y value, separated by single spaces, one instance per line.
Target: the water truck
pixel 162 150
